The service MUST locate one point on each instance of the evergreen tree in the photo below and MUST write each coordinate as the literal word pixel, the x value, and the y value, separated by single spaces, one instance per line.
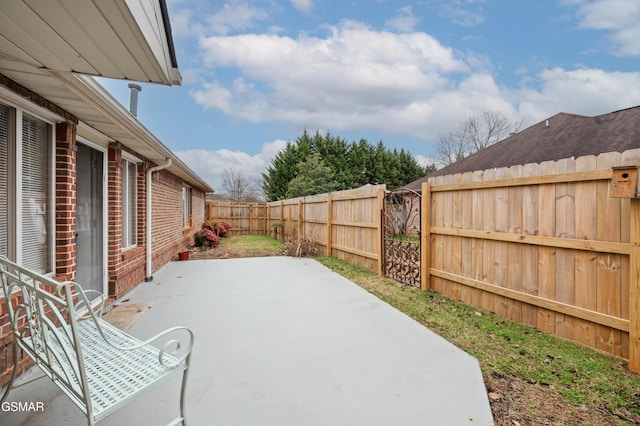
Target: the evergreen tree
pixel 314 177
pixel 350 165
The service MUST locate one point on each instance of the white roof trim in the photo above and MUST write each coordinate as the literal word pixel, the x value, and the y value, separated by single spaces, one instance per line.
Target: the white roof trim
pixel 141 138
pixel 16 101
pixel 122 39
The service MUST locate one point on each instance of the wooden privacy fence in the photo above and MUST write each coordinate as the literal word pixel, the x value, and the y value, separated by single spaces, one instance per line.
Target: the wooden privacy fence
pixel 543 244
pixel 346 224
pixel 244 218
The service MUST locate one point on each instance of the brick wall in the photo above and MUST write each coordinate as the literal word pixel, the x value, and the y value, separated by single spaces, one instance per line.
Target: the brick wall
pixel 65 231
pixel 6 342
pixel 168 235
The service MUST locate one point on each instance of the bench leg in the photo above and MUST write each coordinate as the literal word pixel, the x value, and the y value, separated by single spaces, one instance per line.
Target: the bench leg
pixel 183 392
pixel 14 373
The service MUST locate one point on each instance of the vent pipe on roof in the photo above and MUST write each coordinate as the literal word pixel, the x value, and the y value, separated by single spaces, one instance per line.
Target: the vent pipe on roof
pixel 133 99
pixel 546 124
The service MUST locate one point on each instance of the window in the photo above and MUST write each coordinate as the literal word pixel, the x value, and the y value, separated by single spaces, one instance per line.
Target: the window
pixel 186 207
pixel 129 200
pixel 36 184
pixel 26 183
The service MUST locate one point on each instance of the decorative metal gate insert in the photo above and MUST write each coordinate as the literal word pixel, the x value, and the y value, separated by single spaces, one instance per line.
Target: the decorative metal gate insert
pixel 401 219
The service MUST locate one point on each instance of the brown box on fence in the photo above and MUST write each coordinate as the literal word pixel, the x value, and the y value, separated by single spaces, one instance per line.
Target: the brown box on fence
pixel 624 182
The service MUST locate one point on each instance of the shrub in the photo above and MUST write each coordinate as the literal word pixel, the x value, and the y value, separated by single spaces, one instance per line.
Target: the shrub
pixel 206 237
pixel 211 238
pixel 300 247
pixel 199 240
pixel 221 228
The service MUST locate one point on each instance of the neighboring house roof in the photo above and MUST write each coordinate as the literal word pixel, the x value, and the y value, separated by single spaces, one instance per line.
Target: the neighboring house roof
pixel 121 39
pixel 146 45
pixel 561 136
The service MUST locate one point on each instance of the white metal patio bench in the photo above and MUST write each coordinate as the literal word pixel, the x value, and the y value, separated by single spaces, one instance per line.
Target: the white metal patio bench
pixel 99 367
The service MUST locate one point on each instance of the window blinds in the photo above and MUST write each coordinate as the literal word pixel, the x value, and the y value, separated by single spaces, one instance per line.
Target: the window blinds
pixel 4 180
pixel 36 207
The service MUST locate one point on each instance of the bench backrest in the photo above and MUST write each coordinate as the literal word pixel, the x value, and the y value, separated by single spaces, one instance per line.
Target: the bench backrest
pixel 43 319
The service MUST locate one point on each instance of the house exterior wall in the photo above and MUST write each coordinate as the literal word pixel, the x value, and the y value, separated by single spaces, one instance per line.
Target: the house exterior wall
pixel 126 267
pixel 168 234
pixel 65 151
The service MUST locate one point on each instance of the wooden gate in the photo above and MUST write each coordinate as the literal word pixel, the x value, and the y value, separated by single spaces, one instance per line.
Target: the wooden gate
pixel 401 236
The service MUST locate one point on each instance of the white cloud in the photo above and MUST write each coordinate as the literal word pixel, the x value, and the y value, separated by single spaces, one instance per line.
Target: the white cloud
pixel 181 23
pixel 211 164
pixel 357 78
pixel 586 92
pixel 405 21
pixel 466 13
pixel 304 6
pixel 620 17
pixel 424 161
pixel 354 78
pixel 235 15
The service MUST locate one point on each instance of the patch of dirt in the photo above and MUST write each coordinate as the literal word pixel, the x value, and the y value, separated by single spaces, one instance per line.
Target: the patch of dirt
pixel 515 402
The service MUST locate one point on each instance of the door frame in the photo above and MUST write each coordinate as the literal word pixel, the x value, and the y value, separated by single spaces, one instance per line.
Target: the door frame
pixel 105 208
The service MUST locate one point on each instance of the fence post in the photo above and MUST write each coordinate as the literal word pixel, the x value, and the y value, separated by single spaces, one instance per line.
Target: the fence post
pixel 381 193
pixel 329 219
pixel 425 237
pixel 300 219
pixel 282 221
pixel 265 209
pixel 634 288
pixel 267 223
pixel 250 219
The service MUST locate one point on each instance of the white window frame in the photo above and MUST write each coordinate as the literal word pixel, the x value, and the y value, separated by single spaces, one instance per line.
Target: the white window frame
pixel 186 207
pixel 128 160
pixel 19 108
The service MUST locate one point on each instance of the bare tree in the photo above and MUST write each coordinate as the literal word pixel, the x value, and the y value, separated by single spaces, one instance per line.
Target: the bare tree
pixel 452 147
pixel 237 186
pixel 474 134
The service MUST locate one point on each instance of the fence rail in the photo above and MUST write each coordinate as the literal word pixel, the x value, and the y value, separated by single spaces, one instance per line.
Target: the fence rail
pixel 346 224
pixel 542 244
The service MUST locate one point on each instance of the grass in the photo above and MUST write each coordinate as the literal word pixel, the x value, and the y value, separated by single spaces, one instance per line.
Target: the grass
pixel 242 246
pixel 251 244
pixel 532 377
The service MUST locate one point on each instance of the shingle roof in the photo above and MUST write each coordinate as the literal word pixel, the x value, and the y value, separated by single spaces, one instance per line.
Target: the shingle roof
pixel 561 136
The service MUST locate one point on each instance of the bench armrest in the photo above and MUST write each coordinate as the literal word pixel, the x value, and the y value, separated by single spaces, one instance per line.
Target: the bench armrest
pixel 97 305
pixel 174 347
pixel 179 349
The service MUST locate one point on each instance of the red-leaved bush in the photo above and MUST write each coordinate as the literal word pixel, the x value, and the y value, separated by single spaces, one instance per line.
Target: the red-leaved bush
pixel 207 236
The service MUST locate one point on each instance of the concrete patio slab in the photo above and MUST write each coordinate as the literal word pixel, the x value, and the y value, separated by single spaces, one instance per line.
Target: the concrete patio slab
pixel 285 341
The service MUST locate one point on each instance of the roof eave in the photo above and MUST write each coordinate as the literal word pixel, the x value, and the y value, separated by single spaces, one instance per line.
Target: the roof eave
pixel 141 139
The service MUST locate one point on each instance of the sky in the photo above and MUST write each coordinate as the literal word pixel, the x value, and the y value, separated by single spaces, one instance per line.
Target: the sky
pixel 257 74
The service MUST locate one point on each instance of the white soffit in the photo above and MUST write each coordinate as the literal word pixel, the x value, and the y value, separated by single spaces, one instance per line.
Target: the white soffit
pixel 122 39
